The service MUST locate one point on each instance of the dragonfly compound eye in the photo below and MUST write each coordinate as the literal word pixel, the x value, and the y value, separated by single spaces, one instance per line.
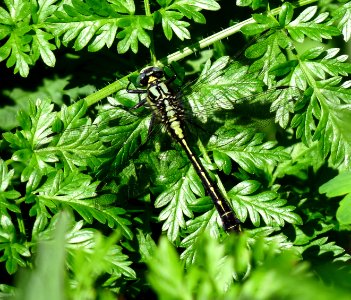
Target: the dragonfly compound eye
pixel 145 74
pixel 143 79
pixel 157 72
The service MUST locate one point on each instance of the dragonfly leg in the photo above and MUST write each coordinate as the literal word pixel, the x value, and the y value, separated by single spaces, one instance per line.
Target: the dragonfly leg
pixel 140 104
pixel 135 91
pixel 139 92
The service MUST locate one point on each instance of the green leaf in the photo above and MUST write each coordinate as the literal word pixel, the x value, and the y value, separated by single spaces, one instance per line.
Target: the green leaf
pixel 222 161
pixel 286 14
pixel 190 9
pixel 342 16
pixel 5 18
pixel 247 149
pixel 90 23
pixel 196 227
pixel 321 247
pixel 16 48
pixel 178 186
pixel 304 25
pixel 243 2
pixel 323 63
pixel 32 284
pixel 255 4
pixel 270 52
pixel 77 192
pixel 133 32
pixel 123 6
pixel 7 195
pixel 343 213
pixel 176 198
pixel 266 204
pixel 84 33
pixel 93 254
pixel 171 22
pixel 19 10
pixel 31 140
pixel 44 10
pixel 77 143
pixel 334 125
pixel 340 185
pixel 231 89
pixel 166 273
pixel 105 36
pixel 190 12
pixel 337 186
pixel 125 138
pixel 90 256
pixel 11 246
pixel 147 246
pixel 41 45
pixel 202 4
pixel 212 259
pixel 323 117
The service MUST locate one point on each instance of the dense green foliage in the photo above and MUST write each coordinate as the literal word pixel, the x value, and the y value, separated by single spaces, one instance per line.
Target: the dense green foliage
pixel 94 205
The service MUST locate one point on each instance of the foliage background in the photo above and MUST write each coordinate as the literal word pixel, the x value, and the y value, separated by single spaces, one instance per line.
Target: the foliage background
pixel 84 239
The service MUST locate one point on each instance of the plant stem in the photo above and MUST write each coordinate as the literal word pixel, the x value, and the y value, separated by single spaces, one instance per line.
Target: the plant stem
pixel 220 35
pixel 106 91
pixel 152 46
pixel 117 85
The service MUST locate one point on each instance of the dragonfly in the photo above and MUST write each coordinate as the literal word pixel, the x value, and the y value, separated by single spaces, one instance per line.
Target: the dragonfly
pixel 168 110
pixel 212 95
pixel 223 89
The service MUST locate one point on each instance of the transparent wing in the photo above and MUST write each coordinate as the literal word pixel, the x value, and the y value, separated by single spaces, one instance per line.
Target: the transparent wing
pixel 250 79
pixel 237 93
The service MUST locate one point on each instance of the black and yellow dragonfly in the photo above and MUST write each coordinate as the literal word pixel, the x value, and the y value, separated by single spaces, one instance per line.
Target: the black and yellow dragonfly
pixel 225 91
pixel 167 108
pixel 226 95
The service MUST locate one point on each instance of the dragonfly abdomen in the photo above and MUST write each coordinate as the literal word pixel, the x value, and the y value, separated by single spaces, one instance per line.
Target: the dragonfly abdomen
pixel 229 220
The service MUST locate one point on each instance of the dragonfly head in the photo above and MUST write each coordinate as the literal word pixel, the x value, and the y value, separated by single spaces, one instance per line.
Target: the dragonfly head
pixel 149 74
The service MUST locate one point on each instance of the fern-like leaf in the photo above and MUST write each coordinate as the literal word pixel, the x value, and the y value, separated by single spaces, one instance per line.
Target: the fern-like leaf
pixel 343 17
pixel 315 29
pixel 323 118
pixel 177 199
pixel 267 205
pixel 77 192
pixel 247 149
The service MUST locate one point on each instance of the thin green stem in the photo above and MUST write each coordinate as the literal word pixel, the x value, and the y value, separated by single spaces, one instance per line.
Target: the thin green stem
pixel 219 36
pixel 152 46
pixel 106 91
pixel 117 85
pixel 147 7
